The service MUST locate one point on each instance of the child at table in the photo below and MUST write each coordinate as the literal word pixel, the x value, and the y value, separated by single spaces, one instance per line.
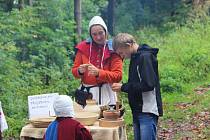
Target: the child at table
pixel 65 127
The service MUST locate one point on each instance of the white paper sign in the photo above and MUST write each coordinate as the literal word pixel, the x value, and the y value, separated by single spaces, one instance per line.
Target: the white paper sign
pixel 3 122
pixel 41 105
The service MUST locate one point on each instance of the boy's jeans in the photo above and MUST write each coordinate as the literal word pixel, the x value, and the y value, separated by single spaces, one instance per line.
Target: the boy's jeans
pixel 145 126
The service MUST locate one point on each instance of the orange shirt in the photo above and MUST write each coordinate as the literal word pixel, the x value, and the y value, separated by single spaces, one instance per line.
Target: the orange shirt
pixel 112 64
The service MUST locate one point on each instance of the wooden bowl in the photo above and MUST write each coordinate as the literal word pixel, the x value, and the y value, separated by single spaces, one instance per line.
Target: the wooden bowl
pixel 86 118
pixel 111 123
pixel 111 114
pixel 41 122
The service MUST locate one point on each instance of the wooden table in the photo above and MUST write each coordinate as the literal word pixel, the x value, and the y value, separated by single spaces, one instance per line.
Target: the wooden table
pixel 29 132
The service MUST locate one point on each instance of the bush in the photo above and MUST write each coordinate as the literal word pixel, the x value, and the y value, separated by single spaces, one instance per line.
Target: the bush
pixel 197 63
pixel 183 53
pixel 171 79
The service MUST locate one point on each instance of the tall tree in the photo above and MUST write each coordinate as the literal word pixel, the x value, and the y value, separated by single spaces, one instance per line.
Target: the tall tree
pixel 30 2
pixel 20 4
pixel 111 13
pixel 6 5
pixel 78 17
pixel 198 2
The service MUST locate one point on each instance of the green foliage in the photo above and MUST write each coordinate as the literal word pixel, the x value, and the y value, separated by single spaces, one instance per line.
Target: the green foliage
pixel 198 64
pixel 129 19
pixel 133 14
pixel 183 55
pixel 35 48
pixel 36 45
pixel 14 128
pixel 171 80
pixel 91 8
pixel 148 12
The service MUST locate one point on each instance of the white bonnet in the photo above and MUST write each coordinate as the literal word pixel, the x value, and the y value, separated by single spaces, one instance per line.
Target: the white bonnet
pixel 97 20
pixel 63 106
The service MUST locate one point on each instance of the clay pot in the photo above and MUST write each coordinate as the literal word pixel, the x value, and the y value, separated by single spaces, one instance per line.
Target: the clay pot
pixel 108 107
pixel 92 107
pixel 111 114
pixel 121 109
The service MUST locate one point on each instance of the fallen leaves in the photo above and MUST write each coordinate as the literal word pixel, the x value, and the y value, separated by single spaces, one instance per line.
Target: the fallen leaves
pixel 183 105
pixel 182 123
pixel 191 130
pixel 202 90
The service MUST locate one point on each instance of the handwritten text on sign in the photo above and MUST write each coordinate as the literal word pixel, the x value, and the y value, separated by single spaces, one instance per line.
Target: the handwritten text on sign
pixel 41 105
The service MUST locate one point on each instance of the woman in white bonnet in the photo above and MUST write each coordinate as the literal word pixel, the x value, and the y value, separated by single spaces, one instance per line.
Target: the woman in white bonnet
pixel 64 127
pixel 97 65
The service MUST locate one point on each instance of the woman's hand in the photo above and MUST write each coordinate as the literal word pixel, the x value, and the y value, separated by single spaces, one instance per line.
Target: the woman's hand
pixel 116 87
pixel 92 70
pixel 82 68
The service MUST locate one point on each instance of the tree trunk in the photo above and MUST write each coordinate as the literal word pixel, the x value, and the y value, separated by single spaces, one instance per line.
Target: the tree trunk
pixel 77 17
pixel 30 2
pixel 152 6
pixel 9 5
pixel 111 8
pixel 21 4
pixel 197 3
pixel 200 4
